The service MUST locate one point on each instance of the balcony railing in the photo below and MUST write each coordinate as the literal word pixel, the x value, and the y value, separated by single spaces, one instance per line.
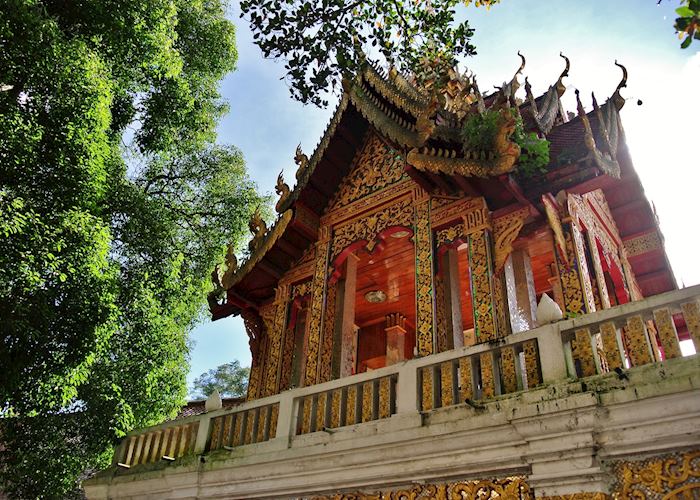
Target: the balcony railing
pixel 626 336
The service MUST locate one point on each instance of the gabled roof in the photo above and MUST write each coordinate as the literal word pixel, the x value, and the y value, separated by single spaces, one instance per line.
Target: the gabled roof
pixel 582 150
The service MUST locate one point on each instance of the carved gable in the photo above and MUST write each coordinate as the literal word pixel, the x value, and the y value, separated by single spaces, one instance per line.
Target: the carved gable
pixel 377 166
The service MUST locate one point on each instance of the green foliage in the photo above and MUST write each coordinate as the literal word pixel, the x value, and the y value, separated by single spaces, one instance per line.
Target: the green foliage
pixel 103 268
pixel 480 129
pixel 688 22
pixel 479 134
pixel 534 152
pixel 230 379
pixel 322 42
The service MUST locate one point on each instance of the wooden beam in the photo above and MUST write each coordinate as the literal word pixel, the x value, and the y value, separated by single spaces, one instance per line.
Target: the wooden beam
pixel 466 186
pixel 514 188
pixel 420 179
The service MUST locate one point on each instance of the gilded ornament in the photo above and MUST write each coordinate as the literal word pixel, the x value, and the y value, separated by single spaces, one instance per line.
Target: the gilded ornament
pixel 302 162
pixel 546 115
pixel 324 373
pixel 505 230
pixel 427 388
pixel 424 278
pixel 282 190
pixel 668 335
pixel 258 228
pixel 582 353
pixel 466 386
pixel 316 312
pixel 533 371
pixel 385 396
pixel 367 401
pixel 647 242
pixel 667 477
pixel 481 284
pixel 377 167
pixel 446 384
pixel 509 379
pixel 488 387
pixel 608 334
pixel 637 341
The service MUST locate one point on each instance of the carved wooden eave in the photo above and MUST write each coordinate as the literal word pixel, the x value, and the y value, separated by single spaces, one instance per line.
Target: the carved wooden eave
pixel 268 240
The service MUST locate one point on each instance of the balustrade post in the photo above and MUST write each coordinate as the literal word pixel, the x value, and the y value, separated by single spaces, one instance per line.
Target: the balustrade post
pixel 200 444
pixel 552 357
pixel 407 390
pixel 285 418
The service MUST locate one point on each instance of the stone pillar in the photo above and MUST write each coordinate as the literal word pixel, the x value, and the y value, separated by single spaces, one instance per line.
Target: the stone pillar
pixel 395 338
pixel 425 310
pixel 348 346
pixel 520 284
pixel 481 272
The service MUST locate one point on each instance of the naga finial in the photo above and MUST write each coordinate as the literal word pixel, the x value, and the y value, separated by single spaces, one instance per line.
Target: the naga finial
pixel 258 227
pixel 617 99
pixel 561 88
pixel 568 66
pixel 623 82
pixel 231 267
pixel 302 162
pixel 522 65
pixel 282 189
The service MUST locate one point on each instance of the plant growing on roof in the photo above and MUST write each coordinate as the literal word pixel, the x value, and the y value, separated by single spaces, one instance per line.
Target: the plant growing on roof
pixel 534 151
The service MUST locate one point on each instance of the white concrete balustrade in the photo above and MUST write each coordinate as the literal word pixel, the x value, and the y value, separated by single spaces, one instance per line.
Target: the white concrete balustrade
pixel 626 336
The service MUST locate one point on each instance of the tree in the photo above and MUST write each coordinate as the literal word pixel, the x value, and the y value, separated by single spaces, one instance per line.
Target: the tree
pixel 323 42
pixel 688 22
pixel 115 204
pixel 230 379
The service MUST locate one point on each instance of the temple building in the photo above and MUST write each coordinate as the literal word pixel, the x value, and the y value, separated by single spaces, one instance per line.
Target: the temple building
pixel 463 296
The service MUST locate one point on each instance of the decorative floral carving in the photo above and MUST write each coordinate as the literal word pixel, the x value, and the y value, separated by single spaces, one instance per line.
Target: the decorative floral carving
pixel 424 278
pixel 659 477
pixel 480 269
pixel 367 227
pixel 505 230
pixel 378 166
pixel 316 312
pixel 513 487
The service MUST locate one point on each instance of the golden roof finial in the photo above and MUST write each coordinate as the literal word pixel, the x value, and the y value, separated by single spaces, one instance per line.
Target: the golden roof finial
pixel 258 228
pixel 617 99
pixel 302 162
pixel 282 189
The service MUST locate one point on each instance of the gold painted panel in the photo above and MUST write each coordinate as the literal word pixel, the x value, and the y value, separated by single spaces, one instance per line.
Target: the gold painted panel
pixel 321 411
pixel 668 477
pixel 264 415
pixel 480 272
pixel 274 347
pixel 214 443
pixel 667 333
pixel 385 397
pixel 424 278
pixel 441 328
pixel 324 370
pixel 316 313
pixel 509 378
pixel 274 412
pixel 249 426
pixel 637 341
pixel 488 386
pixel 510 488
pixel 350 405
pixel 608 334
pixel 378 166
pixel 427 388
pixel 691 313
pixel 466 390
pixel 367 401
pixel 336 397
pixel 226 439
pixel 533 371
pixel 307 403
pixel 399 213
pixel 582 351
pixel 446 385
pixel 238 430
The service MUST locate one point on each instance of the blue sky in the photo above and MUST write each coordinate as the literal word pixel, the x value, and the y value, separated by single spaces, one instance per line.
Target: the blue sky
pixel 662 134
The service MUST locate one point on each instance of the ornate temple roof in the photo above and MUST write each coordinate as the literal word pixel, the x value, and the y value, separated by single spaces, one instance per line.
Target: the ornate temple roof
pixel 587 151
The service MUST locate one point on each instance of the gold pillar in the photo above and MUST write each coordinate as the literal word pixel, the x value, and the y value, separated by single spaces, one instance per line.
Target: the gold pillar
pixel 424 276
pixel 316 312
pixel 576 288
pixel 481 271
pixel 275 329
pixel 324 370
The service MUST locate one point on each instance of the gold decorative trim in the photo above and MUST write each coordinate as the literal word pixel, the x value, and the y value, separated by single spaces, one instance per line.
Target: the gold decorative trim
pixel 510 488
pixel 663 477
pixel 647 242
pixel 505 230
